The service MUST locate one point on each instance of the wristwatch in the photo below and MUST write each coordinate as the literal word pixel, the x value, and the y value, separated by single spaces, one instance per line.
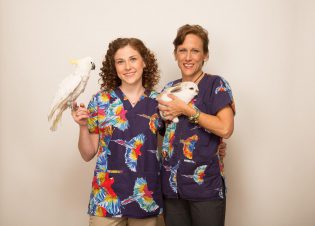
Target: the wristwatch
pixel 194 118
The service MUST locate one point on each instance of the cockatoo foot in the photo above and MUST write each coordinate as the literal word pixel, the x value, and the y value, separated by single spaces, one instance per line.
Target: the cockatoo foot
pixel 69 104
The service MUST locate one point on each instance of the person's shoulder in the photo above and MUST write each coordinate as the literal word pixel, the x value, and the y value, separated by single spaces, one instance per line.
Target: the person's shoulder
pixel 102 95
pixel 215 79
pixel 98 94
pixel 153 94
pixel 212 77
pixel 220 84
pixel 95 95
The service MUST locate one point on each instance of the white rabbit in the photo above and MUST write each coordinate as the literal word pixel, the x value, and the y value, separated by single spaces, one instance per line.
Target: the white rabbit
pixel 184 90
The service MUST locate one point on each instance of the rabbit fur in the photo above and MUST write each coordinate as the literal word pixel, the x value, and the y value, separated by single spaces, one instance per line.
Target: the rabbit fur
pixel 186 91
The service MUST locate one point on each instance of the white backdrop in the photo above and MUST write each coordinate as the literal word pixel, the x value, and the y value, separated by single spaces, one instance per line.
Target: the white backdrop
pixel 265 49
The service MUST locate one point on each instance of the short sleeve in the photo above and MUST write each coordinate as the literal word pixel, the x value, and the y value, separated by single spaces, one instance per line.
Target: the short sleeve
pixel 93 117
pixel 221 95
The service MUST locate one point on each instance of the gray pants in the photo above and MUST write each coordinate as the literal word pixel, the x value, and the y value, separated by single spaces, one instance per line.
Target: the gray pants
pixel 179 212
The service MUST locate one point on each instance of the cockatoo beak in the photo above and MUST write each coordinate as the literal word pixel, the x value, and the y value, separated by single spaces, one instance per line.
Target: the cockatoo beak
pixel 74 62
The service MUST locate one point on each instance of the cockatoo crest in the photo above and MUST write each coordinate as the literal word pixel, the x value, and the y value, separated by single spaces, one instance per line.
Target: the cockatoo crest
pixel 186 91
pixel 70 89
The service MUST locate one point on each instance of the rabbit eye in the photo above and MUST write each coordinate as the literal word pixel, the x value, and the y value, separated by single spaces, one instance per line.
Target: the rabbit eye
pixel 191 88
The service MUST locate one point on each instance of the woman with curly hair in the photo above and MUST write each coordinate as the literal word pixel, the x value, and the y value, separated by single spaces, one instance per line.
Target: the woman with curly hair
pixel 120 127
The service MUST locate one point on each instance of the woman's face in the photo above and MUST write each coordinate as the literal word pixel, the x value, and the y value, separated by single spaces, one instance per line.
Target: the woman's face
pixel 190 56
pixel 129 65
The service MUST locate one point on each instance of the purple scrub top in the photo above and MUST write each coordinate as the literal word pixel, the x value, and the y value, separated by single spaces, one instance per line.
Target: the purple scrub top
pixel 126 180
pixel 191 167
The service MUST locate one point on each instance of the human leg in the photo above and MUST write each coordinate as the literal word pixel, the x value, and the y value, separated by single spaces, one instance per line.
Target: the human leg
pixel 107 221
pixel 151 221
pixel 208 213
pixel 177 212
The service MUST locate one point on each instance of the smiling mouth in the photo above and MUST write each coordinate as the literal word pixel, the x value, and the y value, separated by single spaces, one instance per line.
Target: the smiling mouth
pixel 129 74
pixel 188 65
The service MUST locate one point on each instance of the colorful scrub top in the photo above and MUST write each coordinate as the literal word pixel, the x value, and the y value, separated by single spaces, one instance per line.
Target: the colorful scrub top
pixel 126 180
pixel 191 167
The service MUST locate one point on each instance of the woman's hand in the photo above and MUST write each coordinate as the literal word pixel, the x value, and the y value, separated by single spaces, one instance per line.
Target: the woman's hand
pixel 80 114
pixel 173 108
pixel 222 149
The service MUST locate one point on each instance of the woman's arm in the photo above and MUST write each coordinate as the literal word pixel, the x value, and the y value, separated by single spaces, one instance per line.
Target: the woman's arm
pixel 222 149
pixel 88 143
pixel 221 124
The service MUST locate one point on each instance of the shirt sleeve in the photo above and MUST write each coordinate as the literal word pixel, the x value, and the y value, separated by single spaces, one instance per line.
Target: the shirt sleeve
pixel 93 117
pixel 221 95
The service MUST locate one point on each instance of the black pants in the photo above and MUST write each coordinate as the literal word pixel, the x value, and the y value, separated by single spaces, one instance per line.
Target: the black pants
pixel 179 212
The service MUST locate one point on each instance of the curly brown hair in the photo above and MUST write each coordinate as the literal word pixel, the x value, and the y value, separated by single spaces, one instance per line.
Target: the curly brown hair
pixel 109 78
pixel 183 31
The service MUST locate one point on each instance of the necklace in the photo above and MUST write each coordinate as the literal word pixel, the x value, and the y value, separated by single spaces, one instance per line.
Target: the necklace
pixel 133 103
pixel 199 76
pixel 133 99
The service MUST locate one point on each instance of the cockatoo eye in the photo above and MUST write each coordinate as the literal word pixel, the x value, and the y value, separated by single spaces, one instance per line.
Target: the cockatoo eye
pixel 191 88
pixel 93 66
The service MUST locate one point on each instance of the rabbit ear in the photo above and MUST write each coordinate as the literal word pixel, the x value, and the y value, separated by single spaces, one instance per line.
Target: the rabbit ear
pixel 176 89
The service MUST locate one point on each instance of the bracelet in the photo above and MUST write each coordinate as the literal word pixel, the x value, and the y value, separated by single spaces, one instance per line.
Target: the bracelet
pixel 194 118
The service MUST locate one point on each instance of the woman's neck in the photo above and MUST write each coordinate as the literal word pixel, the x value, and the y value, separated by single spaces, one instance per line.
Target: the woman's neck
pixel 132 92
pixel 193 78
pixel 132 89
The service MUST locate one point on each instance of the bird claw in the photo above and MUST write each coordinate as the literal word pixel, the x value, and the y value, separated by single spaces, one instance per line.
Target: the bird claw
pixel 69 104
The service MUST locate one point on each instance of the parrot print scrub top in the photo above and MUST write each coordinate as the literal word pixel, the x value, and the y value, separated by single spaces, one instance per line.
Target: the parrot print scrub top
pixel 191 167
pixel 126 180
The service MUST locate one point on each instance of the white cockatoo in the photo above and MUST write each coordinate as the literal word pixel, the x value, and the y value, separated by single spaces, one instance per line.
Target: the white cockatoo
pixel 185 91
pixel 69 89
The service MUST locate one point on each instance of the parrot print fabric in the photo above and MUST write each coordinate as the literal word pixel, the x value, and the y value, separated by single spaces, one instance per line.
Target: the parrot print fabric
pixel 198 174
pixel 142 196
pixel 191 167
pixel 126 181
pixel 189 146
pixel 167 145
pixel 104 198
pixel 172 177
pixel 116 115
pixel 153 122
pixel 132 150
